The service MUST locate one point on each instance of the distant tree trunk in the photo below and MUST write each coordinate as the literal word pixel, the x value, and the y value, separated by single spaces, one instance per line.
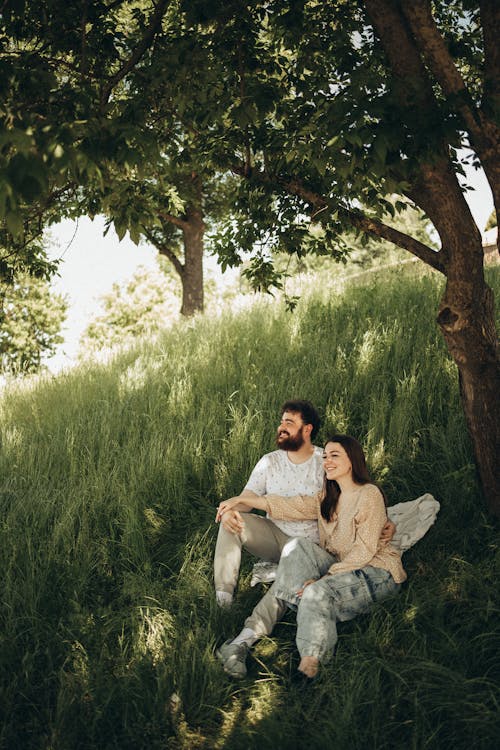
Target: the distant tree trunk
pixel 192 271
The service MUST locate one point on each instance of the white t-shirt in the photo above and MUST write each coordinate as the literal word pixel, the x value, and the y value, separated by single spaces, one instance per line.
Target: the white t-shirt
pixel 275 474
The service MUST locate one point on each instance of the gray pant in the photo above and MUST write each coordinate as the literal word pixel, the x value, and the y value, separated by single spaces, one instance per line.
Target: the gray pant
pixel 332 599
pixel 260 536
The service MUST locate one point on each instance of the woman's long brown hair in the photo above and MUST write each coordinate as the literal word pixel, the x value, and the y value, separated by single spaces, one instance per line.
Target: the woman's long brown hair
pixel 360 475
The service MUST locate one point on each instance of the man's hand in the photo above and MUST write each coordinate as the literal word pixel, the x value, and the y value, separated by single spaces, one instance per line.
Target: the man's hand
pixel 225 506
pixel 388 532
pixel 232 521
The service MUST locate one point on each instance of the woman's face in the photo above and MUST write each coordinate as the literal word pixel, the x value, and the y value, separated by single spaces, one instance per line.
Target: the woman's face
pixel 336 462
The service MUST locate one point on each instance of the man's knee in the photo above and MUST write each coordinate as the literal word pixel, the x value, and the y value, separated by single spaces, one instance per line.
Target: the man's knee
pixel 228 538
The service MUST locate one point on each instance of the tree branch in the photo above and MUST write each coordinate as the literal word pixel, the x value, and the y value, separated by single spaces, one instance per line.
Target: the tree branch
pixel 355 217
pixel 166 251
pixel 115 4
pixel 83 41
pixel 371 226
pixel 437 56
pixel 175 220
pixel 241 73
pixel 139 51
pixel 480 122
pixel 405 57
pixel 413 85
pixel 490 23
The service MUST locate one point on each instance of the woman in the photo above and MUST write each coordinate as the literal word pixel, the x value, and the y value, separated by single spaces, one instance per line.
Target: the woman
pixel 351 569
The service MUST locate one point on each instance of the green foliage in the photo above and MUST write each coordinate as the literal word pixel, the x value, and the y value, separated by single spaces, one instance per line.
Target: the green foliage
pixel 492 221
pixel 31 316
pixel 375 252
pixel 122 103
pixel 138 308
pixel 65 112
pixel 358 255
pixel 110 477
pixel 25 256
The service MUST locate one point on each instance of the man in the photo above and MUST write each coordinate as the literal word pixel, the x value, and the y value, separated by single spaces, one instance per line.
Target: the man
pixel 296 468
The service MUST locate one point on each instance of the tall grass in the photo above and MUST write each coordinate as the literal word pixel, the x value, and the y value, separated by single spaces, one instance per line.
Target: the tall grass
pixel 109 479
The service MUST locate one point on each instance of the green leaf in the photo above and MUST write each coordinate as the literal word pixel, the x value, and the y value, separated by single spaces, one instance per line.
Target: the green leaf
pixel 15 224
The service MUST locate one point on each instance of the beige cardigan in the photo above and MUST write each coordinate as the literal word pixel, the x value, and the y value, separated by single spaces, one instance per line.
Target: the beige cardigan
pixel 354 533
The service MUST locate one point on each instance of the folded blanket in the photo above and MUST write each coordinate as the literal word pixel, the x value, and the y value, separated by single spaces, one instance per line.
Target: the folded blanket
pixel 413 520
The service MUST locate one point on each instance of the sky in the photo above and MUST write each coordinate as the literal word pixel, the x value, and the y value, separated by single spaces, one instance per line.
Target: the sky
pixel 91 264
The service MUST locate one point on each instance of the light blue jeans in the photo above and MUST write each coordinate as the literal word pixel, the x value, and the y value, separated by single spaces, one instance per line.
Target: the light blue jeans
pixel 335 598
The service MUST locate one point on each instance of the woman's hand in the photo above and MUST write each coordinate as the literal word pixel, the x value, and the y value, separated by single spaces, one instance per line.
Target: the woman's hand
pixel 388 532
pixel 305 584
pixel 225 506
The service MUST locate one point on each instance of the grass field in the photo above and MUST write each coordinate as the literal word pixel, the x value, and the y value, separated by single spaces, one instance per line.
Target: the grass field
pixel 109 479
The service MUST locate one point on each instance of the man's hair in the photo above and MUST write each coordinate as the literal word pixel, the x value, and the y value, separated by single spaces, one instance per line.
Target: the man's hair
pixel 307 412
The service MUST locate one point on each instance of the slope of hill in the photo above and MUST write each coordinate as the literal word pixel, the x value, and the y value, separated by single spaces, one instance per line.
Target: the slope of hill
pixel 109 480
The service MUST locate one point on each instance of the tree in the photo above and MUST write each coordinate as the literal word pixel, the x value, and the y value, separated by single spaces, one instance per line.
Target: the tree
pixel 174 200
pixel 31 316
pixel 177 228
pixel 337 106
pixel 142 307
pixel 93 122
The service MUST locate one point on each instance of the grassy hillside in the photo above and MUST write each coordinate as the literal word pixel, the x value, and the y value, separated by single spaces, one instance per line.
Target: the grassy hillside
pixel 109 477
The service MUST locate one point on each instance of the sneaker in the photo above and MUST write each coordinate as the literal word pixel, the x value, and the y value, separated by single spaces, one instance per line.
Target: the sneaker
pixel 233 657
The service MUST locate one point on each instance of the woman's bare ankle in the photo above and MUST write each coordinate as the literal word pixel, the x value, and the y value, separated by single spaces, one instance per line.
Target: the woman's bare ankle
pixel 309 666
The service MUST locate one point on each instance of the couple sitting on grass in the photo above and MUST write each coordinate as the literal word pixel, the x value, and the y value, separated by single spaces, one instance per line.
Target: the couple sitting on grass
pixel 327 526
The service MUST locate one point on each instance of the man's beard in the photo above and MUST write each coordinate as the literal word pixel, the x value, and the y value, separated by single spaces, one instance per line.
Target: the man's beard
pixel 288 443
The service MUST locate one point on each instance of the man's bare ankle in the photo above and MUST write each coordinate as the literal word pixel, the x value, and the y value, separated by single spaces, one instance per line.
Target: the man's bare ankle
pixel 224 599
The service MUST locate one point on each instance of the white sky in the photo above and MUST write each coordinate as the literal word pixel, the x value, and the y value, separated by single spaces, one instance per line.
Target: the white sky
pixel 91 263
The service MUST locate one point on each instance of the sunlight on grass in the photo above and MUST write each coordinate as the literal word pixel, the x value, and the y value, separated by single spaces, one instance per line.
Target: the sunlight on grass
pixel 370 345
pixel 337 417
pixel 230 721
pixel 136 376
pixel 265 700
pixel 155 524
pixel 410 613
pixel 156 633
pixel 186 738
pixel 377 456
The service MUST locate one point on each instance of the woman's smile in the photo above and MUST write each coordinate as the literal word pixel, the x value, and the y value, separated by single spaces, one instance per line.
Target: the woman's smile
pixel 336 462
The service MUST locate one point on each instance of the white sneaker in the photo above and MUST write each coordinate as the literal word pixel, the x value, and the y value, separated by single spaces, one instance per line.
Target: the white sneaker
pixel 233 658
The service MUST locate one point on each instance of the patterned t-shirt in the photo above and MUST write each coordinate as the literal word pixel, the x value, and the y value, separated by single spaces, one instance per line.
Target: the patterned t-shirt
pixel 275 474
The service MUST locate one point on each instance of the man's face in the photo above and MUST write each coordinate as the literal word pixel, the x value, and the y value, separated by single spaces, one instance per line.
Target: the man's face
pixel 290 432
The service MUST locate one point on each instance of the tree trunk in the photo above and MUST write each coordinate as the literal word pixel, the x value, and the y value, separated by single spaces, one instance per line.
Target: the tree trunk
pixel 467 318
pixel 192 274
pixel 466 312
pixel 469 330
